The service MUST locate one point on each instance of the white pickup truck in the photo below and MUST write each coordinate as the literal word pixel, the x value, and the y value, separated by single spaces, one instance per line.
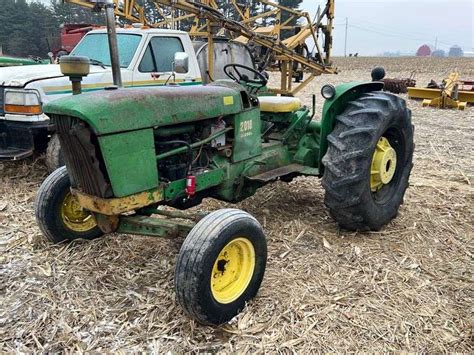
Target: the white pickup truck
pixel 146 58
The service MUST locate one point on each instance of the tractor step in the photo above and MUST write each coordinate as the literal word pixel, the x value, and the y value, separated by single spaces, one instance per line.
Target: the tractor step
pixel 276 173
pixel 155 227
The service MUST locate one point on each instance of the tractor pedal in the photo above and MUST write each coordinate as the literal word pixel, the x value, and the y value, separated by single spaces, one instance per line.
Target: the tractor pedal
pixel 276 173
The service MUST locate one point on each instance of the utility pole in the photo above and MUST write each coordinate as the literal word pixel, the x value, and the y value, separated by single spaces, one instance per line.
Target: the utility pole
pixel 345 38
pixel 436 43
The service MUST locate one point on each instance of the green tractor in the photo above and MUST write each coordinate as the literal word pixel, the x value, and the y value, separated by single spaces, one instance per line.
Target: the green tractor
pixel 129 152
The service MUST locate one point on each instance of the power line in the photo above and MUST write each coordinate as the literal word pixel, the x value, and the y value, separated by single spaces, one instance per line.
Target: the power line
pixel 388 31
pixel 400 34
pixel 389 28
pixel 395 35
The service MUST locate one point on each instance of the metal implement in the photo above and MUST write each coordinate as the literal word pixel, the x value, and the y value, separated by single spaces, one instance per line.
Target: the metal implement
pixel 452 93
pixel 398 86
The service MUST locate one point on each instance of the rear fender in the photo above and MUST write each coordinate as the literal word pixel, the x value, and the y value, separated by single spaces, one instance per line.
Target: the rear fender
pixel 335 106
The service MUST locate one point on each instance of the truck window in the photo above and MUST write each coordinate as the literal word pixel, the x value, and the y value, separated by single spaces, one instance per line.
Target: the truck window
pixel 159 54
pixel 96 46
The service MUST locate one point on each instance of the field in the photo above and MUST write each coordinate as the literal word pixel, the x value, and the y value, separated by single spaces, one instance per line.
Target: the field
pixel 406 288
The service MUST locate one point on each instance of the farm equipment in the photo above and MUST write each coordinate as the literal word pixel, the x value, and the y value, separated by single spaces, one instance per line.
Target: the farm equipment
pixel 451 93
pixel 71 35
pixel 262 33
pixel 393 85
pixel 136 158
pixel 399 86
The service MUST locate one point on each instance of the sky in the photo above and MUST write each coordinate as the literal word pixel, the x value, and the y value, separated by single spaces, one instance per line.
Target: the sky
pixel 378 26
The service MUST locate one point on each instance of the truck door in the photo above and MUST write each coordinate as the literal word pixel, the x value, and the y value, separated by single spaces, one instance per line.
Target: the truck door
pixel 156 65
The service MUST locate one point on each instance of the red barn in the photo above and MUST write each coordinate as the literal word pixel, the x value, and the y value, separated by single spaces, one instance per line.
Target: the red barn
pixel 423 51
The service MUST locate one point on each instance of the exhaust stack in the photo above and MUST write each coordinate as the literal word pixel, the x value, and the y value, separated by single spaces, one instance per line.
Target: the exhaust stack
pixel 113 46
pixel 109 5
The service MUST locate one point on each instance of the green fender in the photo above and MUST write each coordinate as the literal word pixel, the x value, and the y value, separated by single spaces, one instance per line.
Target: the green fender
pixel 131 109
pixel 333 107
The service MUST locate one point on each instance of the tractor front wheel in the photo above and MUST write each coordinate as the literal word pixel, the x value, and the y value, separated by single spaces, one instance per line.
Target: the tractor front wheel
pixel 368 162
pixel 58 213
pixel 220 266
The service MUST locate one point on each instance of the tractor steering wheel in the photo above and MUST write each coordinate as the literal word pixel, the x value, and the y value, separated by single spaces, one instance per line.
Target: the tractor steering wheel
pixel 259 82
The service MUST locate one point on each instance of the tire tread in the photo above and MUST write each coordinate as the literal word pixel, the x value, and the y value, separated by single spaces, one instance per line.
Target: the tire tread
pixel 349 155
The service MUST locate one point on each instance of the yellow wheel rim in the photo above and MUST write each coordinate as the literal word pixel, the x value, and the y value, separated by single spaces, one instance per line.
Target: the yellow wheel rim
pixel 74 216
pixel 384 164
pixel 233 270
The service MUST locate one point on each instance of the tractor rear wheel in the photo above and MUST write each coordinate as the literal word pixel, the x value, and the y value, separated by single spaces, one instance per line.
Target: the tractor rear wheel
pixel 368 162
pixel 220 266
pixel 58 213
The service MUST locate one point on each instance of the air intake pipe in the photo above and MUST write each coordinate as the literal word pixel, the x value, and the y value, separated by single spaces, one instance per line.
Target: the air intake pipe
pixel 75 68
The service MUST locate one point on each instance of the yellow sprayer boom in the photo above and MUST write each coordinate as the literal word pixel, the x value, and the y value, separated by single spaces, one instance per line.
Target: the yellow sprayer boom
pixel 290 56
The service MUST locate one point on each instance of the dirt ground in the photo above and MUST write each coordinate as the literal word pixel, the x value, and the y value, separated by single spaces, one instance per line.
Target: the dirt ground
pixel 406 288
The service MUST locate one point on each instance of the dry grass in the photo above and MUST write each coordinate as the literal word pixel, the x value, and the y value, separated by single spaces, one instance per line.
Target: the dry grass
pixel 408 287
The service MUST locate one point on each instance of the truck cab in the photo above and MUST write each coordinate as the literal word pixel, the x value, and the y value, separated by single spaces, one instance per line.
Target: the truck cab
pixel 146 60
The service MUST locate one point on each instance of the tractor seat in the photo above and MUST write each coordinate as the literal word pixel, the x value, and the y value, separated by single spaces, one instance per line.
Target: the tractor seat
pixel 279 104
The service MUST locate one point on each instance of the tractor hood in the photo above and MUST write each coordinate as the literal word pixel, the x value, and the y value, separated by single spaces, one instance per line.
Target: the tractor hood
pixel 19 76
pixel 121 110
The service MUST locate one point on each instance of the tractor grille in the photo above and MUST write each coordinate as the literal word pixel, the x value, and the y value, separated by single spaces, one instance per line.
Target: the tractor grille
pixel 82 155
pixel 2 92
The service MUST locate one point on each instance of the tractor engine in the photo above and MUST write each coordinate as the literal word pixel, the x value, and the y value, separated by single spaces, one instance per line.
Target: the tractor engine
pixel 190 163
pixel 177 133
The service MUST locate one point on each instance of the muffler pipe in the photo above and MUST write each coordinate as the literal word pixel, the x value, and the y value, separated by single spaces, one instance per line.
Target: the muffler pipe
pixel 113 46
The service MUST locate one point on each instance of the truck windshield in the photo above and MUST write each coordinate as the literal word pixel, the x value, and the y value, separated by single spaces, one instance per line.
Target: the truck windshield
pixel 96 47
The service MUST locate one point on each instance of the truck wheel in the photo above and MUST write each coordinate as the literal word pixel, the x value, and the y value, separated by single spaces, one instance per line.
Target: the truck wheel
pixel 58 213
pixel 368 162
pixel 54 156
pixel 220 266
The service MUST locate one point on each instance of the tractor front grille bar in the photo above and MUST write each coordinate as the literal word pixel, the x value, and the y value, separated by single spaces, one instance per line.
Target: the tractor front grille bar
pixel 83 159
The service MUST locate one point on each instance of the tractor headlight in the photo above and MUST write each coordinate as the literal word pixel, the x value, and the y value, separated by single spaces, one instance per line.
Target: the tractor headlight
pixel 25 102
pixel 328 91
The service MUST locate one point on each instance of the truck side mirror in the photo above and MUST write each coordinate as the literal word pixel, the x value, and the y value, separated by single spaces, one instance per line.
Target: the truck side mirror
pixel 181 62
